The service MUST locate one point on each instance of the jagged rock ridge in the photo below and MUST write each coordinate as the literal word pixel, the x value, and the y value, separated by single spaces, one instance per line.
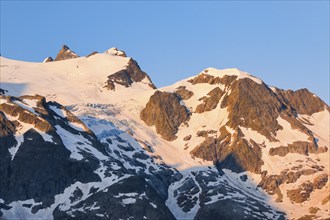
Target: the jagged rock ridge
pixel 126 77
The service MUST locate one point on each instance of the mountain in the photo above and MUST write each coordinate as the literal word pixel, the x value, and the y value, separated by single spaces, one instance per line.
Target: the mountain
pixel 65 53
pixel 92 137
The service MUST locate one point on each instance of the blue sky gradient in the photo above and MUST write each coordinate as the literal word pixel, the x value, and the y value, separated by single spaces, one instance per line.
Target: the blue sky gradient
pixel 285 43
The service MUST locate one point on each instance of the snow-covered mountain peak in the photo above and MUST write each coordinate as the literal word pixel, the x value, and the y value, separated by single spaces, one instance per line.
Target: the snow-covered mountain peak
pixel 219 145
pixel 230 72
pixel 115 52
pixel 65 53
pixel 99 77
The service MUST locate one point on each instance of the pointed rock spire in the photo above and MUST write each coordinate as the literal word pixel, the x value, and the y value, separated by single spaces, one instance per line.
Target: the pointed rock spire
pixel 48 59
pixel 65 53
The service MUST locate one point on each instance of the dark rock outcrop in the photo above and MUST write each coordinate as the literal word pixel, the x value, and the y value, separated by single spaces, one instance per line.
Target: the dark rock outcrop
pixel 303 101
pixel 126 77
pixel 271 183
pixel 206 78
pixel 211 101
pixel 2 91
pixel 145 203
pixel 320 181
pixel 184 93
pixel 302 193
pixel 187 138
pixel 237 156
pixel 65 54
pixel 165 112
pixel 256 104
pixel 51 170
pixel 300 147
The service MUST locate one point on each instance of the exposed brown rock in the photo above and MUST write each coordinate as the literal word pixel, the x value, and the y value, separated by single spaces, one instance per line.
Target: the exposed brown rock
pixel 210 102
pixel 300 147
pixel 307 217
pixel 184 93
pixel 302 193
pixel 132 73
pixel 271 183
pixel 202 133
pixel 26 116
pixel 279 194
pixel 238 156
pixel 206 78
pixel 227 80
pixel 320 181
pixel 6 127
pixel 313 210
pixel 209 149
pixel 65 54
pixel 187 138
pixel 39 119
pixel 303 101
pixel 165 112
pixel 256 104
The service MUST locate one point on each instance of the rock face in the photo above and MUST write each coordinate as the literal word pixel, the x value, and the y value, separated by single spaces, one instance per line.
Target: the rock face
pixel 256 106
pixel 303 192
pixel 299 147
pixel 132 74
pixel 238 156
pixel 209 79
pixel 211 101
pixel 271 183
pixel 303 101
pixel 48 59
pixel 17 176
pixel 165 112
pixel 184 93
pixel 65 53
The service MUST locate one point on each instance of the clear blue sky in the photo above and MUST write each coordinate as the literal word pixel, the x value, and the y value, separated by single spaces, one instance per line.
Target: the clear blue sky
pixel 285 43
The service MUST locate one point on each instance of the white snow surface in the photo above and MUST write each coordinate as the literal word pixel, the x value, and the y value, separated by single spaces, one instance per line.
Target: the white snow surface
pixel 78 80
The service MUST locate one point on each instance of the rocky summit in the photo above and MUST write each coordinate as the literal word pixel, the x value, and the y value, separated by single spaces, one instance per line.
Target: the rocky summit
pixel 92 137
pixel 65 53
